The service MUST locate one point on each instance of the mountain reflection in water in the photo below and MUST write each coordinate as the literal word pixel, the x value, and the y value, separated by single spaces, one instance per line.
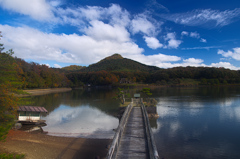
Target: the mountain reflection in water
pixel 83 121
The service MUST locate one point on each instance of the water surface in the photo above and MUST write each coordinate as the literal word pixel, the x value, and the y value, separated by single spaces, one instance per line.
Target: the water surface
pixel 199 123
pixel 80 113
pixel 193 123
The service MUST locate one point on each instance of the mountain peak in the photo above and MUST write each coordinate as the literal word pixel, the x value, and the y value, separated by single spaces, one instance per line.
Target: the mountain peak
pixel 117 63
pixel 114 57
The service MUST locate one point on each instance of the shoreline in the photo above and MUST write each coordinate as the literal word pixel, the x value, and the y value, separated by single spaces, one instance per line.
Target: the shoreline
pixel 38 146
pixel 36 92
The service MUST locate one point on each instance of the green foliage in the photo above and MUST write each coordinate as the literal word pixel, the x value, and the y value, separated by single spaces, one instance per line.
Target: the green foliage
pixel 72 68
pixel 11 156
pixel 121 94
pixel 206 76
pixel 146 91
pixel 148 101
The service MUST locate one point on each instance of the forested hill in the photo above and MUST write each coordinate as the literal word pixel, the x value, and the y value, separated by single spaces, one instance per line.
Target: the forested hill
pixel 111 70
pixel 115 68
pixel 117 63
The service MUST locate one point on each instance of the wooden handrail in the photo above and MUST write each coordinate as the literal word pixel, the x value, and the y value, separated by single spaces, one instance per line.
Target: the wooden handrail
pixel 153 153
pixel 117 137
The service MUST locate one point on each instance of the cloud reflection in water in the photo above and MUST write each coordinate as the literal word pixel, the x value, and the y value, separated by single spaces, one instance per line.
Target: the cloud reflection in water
pixel 81 121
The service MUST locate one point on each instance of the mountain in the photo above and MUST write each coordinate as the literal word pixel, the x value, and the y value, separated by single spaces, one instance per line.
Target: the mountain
pixel 117 63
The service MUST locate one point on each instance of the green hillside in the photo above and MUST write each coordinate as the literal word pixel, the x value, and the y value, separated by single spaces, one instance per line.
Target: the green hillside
pixel 72 68
pixel 117 63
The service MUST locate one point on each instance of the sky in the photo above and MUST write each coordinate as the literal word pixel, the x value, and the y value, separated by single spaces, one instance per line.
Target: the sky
pixel 162 33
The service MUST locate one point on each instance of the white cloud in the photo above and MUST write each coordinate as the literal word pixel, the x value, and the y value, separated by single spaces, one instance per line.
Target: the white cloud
pixel 100 31
pixel 152 42
pixel 32 44
pixel 172 42
pixel 141 24
pixel 114 14
pixel 55 3
pixel 57 66
pixel 118 15
pixel 225 65
pixel 194 35
pixel 159 60
pixel 203 40
pixel 193 61
pixel 184 33
pixel 168 61
pixel 235 54
pixel 89 12
pixel 205 17
pixel 81 121
pixel 37 9
pixel 201 48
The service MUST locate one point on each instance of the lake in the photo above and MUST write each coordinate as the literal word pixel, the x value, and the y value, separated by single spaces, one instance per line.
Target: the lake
pixel 194 123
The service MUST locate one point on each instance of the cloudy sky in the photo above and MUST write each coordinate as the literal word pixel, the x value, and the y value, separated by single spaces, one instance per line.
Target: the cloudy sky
pixel 163 33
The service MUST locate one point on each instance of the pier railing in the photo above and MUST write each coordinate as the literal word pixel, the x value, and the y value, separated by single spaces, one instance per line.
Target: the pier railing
pixel 152 149
pixel 117 137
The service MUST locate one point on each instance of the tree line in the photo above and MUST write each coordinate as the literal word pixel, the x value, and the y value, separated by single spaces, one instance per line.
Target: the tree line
pixel 172 76
pixel 33 75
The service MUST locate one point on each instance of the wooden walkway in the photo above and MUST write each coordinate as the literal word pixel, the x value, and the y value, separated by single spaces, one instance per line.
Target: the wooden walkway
pixel 133 139
pixel 133 143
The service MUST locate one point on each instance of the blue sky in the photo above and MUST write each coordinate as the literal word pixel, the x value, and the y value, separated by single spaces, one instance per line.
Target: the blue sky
pixel 163 33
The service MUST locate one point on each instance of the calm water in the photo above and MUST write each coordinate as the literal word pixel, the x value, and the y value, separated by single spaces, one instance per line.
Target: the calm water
pixel 202 123
pixel 194 123
pixel 80 113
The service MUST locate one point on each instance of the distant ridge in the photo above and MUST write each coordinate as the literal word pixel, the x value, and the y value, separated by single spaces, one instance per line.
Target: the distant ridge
pixel 116 62
pixel 73 68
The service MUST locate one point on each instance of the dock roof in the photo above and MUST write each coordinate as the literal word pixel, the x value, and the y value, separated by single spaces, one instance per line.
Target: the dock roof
pixel 32 109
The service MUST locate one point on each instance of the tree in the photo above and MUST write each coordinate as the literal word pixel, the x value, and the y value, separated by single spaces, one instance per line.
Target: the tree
pixel 121 95
pixel 149 102
pixel 8 84
pixel 146 91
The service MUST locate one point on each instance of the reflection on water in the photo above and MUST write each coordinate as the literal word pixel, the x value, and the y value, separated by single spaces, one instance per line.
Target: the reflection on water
pixel 81 121
pixel 194 123
pixel 79 113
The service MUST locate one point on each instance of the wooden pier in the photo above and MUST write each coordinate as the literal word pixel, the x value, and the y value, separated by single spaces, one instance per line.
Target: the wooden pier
pixel 133 139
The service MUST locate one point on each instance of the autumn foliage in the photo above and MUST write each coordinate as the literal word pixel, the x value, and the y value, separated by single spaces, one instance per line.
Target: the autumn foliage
pixel 8 84
pixel 34 75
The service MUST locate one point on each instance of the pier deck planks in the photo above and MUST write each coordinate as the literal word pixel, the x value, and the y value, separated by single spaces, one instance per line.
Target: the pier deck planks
pixel 133 142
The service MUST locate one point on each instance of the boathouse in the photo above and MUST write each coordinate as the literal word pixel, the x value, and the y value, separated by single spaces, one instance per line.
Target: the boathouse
pixel 30 113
